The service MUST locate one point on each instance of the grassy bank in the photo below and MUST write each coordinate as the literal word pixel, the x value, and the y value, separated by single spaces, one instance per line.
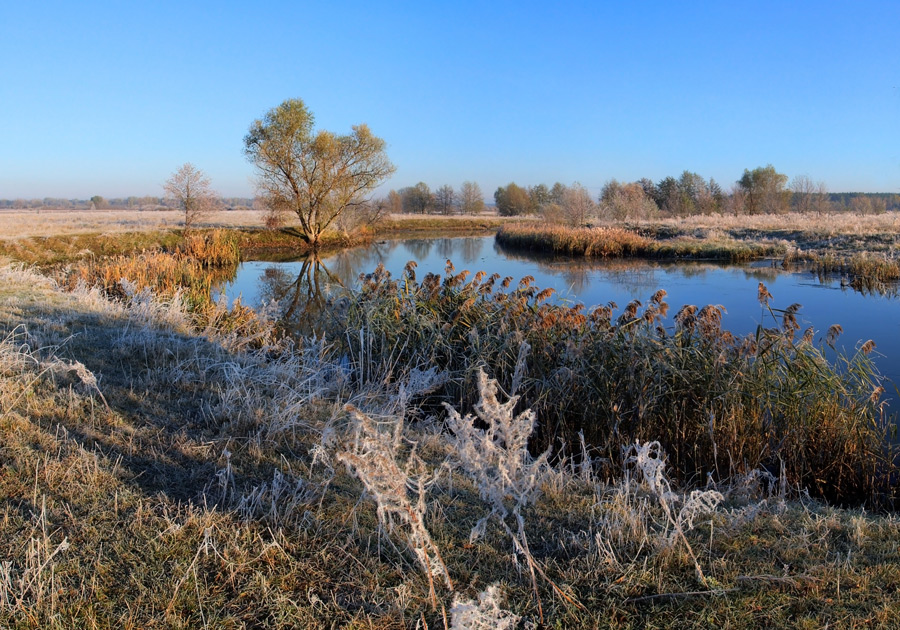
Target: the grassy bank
pixel 61 244
pixel 431 223
pixel 69 248
pixel 159 475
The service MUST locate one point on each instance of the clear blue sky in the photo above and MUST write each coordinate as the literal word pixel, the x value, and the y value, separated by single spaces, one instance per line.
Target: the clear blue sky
pixel 109 98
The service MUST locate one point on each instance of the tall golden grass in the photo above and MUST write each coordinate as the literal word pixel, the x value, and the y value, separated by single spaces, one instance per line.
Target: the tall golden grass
pixel 196 265
pixel 864 265
pixel 617 242
pixel 602 242
pixel 202 262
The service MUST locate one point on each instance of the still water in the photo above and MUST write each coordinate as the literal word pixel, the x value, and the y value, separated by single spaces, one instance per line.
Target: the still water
pixel 825 301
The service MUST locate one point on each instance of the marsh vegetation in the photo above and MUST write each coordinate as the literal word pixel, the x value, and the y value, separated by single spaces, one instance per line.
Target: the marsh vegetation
pixel 449 448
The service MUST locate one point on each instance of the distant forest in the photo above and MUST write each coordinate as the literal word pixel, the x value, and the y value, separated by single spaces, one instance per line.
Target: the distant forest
pixel 863 203
pixel 846 200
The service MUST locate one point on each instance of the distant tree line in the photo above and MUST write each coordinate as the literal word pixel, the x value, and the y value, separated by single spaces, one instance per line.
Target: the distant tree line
pixel 420 199
pixel 98 202
pixel 762 190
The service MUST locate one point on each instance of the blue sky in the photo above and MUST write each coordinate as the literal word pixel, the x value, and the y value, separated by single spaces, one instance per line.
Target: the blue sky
pixel 110 97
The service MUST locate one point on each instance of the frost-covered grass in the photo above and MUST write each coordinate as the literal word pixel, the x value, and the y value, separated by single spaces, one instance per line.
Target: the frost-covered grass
pixel 159 474
pixel 822 224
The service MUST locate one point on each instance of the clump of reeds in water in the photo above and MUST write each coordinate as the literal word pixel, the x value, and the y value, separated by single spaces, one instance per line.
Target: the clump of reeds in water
pixel 212 249
pixel 200 262
pixel 613 242
pixel 600 242
pixel 720 405
pixel 863 269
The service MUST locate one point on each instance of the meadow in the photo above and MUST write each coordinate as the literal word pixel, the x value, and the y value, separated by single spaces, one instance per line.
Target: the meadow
pixel 448 451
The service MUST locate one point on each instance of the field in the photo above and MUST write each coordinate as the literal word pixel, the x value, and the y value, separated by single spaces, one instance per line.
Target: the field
pixel 18 224
pixel 169 462
pixel 846 223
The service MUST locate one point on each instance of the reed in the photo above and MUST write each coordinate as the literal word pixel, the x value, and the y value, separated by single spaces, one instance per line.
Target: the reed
pixel 189 275
pixel 720 405
pixel 604 242
pixel 861 267
pixel 211 250
pixel 615 242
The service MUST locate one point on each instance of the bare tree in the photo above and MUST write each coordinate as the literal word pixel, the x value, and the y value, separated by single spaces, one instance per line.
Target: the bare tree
pixel 394 201
pixel 821 202
pixel 189 189
pixel 736 202
pixel 574 208
pixel 365 215
pixel 802 190
pixel 807 195
pixel 317 176
pixel 471 199
pixel 444 198
pixel 868 204
pixel 578 204
pixel 273 218
pixel 620 201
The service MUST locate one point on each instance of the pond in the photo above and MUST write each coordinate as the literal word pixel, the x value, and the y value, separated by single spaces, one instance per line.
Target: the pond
pixel 825 300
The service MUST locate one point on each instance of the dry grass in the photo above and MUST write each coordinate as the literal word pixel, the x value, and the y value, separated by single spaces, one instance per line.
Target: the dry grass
pixel 821 224
pixel 17 224
pixel 617 242
pixel 208 495
pixel 602 242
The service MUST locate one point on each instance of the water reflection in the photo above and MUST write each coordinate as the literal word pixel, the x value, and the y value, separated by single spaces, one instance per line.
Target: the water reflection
pixel 302 289
pixel 636 277
pixel 302 297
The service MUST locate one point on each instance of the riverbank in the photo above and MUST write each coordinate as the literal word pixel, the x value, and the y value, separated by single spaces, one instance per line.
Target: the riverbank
pixel 867 254
pixel 53 237
pixel 225 480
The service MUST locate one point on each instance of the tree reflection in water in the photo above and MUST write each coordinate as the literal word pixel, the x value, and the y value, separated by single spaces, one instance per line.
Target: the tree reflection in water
pixel 347 264
pixel 308 303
